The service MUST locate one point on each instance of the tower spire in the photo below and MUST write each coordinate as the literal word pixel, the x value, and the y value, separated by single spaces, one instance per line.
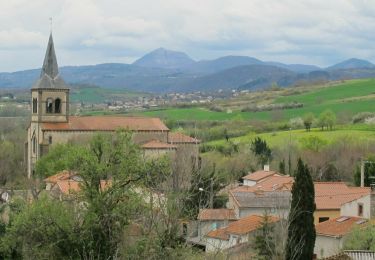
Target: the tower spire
pixel 50 62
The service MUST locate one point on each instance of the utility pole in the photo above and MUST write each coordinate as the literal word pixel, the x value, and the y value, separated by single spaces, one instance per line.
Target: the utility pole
pixel 362 173
pixel 212 194
pixel 289 159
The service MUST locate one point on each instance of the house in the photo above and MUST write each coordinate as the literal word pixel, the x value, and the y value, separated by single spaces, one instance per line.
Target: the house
pixel 332 199
pixel 212 219
pixel 331 196
pixel 51 181
pixel 259 202
pixel 52 124
pixel 253 178
pixel 237 232
pixel 331 234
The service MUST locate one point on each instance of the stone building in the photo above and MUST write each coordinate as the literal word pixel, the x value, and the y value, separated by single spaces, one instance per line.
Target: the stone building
pixel 51 123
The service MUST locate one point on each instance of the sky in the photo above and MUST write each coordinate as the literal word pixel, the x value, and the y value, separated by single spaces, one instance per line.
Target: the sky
pixel 318 32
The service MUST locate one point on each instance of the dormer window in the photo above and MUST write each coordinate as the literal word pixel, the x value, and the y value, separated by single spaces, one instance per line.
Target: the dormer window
pixel 49 105
pixel 58 105
pixel 35 105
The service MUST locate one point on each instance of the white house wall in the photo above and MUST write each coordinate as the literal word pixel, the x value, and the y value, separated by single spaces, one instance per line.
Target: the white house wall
pixel 350 209
pixel 327 246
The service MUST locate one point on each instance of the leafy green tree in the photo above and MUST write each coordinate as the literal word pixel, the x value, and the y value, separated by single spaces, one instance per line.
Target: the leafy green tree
pixel 60 157
pixel 264 242
pixel 44 230
pixel 260 148
pixel 301 229
pixel 361 238
pixel 313 143
pixel 109 167
pixel 308 120
pixel 327 119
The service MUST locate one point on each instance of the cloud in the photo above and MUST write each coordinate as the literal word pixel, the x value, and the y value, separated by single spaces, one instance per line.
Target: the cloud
pixel 92 31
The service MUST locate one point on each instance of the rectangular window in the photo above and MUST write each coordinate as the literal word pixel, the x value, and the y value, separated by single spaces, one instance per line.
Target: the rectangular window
pixel 35 105
pixel 322 219
pixel 360 210
pixel 50 139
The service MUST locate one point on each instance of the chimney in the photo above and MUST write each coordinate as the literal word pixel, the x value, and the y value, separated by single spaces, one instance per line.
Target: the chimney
pixel 266 168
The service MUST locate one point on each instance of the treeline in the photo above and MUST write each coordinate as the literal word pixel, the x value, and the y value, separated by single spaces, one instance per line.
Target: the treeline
pixel 271 107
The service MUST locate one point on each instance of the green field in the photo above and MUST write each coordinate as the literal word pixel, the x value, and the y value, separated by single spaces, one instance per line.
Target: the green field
pixel 350 133
pixel 348 98
pixel 92 94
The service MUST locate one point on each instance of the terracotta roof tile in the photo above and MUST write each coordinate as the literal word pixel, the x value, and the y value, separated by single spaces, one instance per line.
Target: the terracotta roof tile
pixel 69 186
pixel 63 175
pixel 328 195
pixel 178 138
pixel 247 224
pixel 107 123
pixel 156 144
pixel 216 214
pixel 219 234
pixel 339 226
pixel 242 226
pixel 259 175
pixel 271 183
pixel 331 195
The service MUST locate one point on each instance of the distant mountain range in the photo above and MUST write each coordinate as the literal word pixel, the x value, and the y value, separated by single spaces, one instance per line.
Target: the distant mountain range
pixel 164 70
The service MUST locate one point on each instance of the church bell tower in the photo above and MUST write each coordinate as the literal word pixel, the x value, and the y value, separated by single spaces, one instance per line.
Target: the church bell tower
pixel 49 105
pixel 50 94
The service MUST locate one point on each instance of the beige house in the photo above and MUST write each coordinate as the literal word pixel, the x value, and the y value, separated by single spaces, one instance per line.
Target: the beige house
pixel 331 234
pixel 237 232
pixel 51 123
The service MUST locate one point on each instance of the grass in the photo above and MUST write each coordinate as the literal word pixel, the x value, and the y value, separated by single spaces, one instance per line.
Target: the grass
pixel 351 133
pixel 348 98
pixel 93 94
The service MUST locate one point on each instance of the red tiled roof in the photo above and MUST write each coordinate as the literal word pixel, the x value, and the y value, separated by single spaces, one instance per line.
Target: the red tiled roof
pixel 339 226
pixel 271 183
pixel 216 214
pixel 63 175
pixel 156 144
pixel 69 186
pixel 331 195
pixel 178 138
pixel 247 224
pixel 219 234
pixel 259 175
pixel 107 123
pixel 241 227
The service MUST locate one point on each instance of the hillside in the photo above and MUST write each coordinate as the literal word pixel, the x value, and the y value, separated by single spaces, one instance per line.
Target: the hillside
pixel 163 58
pixel 345 99
pixel 352 64
pixel 162 71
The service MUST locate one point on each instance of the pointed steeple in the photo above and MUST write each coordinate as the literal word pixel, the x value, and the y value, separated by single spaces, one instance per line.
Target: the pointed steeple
pixel 50 62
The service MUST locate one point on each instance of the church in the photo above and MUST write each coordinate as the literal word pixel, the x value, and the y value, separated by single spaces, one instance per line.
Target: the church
pixel 51 123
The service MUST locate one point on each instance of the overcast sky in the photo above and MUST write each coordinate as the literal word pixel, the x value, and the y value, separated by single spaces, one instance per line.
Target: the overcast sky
pixel 320 32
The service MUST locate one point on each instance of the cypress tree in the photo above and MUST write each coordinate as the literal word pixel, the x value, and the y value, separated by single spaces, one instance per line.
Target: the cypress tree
pixel 301 229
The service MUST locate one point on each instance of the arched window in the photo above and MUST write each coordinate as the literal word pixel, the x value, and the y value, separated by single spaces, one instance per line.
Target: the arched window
pixel 57 105
pixel 49 105
pixel 35 105
pixel 34 144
